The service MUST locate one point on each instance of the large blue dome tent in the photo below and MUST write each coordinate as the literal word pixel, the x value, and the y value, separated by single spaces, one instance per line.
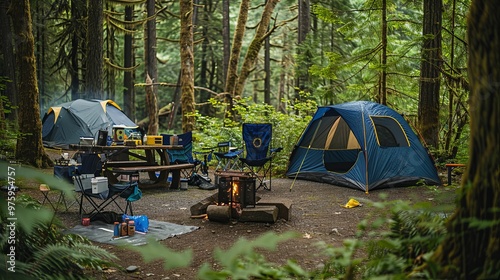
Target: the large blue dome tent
pixel 362 145
pixel 65 123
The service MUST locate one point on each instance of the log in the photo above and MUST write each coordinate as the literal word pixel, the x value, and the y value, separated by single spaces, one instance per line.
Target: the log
pixel 200 208
pixel 262 214
pixel 218 213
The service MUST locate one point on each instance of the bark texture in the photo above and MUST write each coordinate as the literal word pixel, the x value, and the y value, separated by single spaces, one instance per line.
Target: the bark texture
pixel 7 69
pixel 239 32
pixel 151 68
pixel 255 46
pixel 187 65
pixel 471 250
pixel 430 68
pixel 94 72
pixel 29 147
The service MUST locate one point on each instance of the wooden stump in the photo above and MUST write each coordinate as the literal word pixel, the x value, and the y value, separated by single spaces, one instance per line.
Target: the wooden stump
pixel 218 213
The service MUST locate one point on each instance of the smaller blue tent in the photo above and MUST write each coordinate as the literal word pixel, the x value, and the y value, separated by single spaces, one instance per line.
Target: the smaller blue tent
pixel 362 145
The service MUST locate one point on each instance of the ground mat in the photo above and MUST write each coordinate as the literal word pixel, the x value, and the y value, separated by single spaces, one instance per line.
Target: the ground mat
pixel 103 233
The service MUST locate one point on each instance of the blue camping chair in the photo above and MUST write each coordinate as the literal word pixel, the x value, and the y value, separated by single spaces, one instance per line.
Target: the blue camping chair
pixel 98 202
pixel 258 158
pixel 227 157
pixel 185 155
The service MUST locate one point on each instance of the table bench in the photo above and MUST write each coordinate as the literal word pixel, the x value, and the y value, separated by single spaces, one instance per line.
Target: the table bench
pixel 174 168
pixel 450 167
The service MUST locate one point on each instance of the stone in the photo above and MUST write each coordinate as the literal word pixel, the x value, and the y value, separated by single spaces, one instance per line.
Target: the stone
pixel 131 268
pixel 284 206
pixel 261 214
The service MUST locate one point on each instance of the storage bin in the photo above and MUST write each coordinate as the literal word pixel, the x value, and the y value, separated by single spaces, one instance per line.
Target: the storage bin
pixel 86 182
pixel 154 140
pixel 99 184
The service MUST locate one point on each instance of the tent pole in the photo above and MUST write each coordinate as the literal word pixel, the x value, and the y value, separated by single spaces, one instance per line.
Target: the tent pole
pixel 304 158
pixel 365 149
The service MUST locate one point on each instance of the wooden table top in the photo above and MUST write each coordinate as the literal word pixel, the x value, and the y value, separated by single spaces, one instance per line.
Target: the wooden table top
pixel 126 147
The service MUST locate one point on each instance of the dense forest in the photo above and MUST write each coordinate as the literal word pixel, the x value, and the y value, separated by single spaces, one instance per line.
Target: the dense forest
pixel 435 61
pixel 406 54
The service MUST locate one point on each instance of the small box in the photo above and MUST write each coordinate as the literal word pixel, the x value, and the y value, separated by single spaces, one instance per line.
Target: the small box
pixel 86 182
pixel 154 140
pixel 99 184
pixel 86 141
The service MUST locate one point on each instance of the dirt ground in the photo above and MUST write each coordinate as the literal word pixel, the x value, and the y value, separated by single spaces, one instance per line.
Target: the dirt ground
pixel 316 214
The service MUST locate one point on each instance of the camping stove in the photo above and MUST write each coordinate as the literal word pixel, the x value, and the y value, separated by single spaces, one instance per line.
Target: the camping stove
pixel 236 189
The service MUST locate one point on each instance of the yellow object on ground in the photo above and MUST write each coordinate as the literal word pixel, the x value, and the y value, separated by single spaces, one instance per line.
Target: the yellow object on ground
pixel 352 203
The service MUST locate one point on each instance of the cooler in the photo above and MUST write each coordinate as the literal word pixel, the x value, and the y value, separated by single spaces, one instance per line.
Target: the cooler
pixel 99 184
pixel 86 182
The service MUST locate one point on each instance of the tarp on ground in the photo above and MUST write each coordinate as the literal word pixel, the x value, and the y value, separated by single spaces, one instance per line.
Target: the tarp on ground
pixel 158 230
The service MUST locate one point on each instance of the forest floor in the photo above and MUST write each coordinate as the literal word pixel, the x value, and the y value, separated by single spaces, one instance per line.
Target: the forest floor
pixel 317 215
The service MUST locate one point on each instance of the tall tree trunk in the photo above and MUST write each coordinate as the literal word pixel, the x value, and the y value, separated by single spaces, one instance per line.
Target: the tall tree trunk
pixel 239 32
pixel 128 62
pixel 383 61
pixel 255 46
pixel 232 70
pixel 110 89
pixel 267 70
pixel 76 6
pixel 41 47
pixel 453 82
pixel 151 68
pixel 94 70
pixel 205 96
pixel 428 107
pixel 304 27
pixel 7 68
pixel 226 41
pixel 471 249
pixel 29 147
pixel 187 65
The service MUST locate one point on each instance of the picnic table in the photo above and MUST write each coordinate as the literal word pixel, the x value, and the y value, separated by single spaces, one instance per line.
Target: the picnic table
pixel 151 159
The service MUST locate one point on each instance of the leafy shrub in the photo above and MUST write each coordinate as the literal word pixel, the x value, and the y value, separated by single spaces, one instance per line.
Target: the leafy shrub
pixel 287 128
pixel 42 251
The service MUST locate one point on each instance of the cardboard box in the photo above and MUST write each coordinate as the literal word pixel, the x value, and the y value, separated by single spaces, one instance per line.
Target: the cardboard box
pixel 86 182
pixel 99 184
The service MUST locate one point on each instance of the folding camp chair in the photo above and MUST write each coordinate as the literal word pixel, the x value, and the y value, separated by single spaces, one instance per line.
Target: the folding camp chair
pixel 53 202
pixel 55 198
pixel 258 158
pixel 129 191
pixel 98 202
pixel 227 157
pixel 186 154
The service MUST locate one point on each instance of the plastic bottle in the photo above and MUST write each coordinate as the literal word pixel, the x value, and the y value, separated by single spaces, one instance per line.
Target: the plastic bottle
pixel 131 228
pixel 174 140
pixel 116 229
pixel 124 229
pixel 145 140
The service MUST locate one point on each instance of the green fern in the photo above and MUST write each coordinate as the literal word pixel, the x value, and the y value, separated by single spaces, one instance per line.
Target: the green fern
pixel 42 251
pixel 60 261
